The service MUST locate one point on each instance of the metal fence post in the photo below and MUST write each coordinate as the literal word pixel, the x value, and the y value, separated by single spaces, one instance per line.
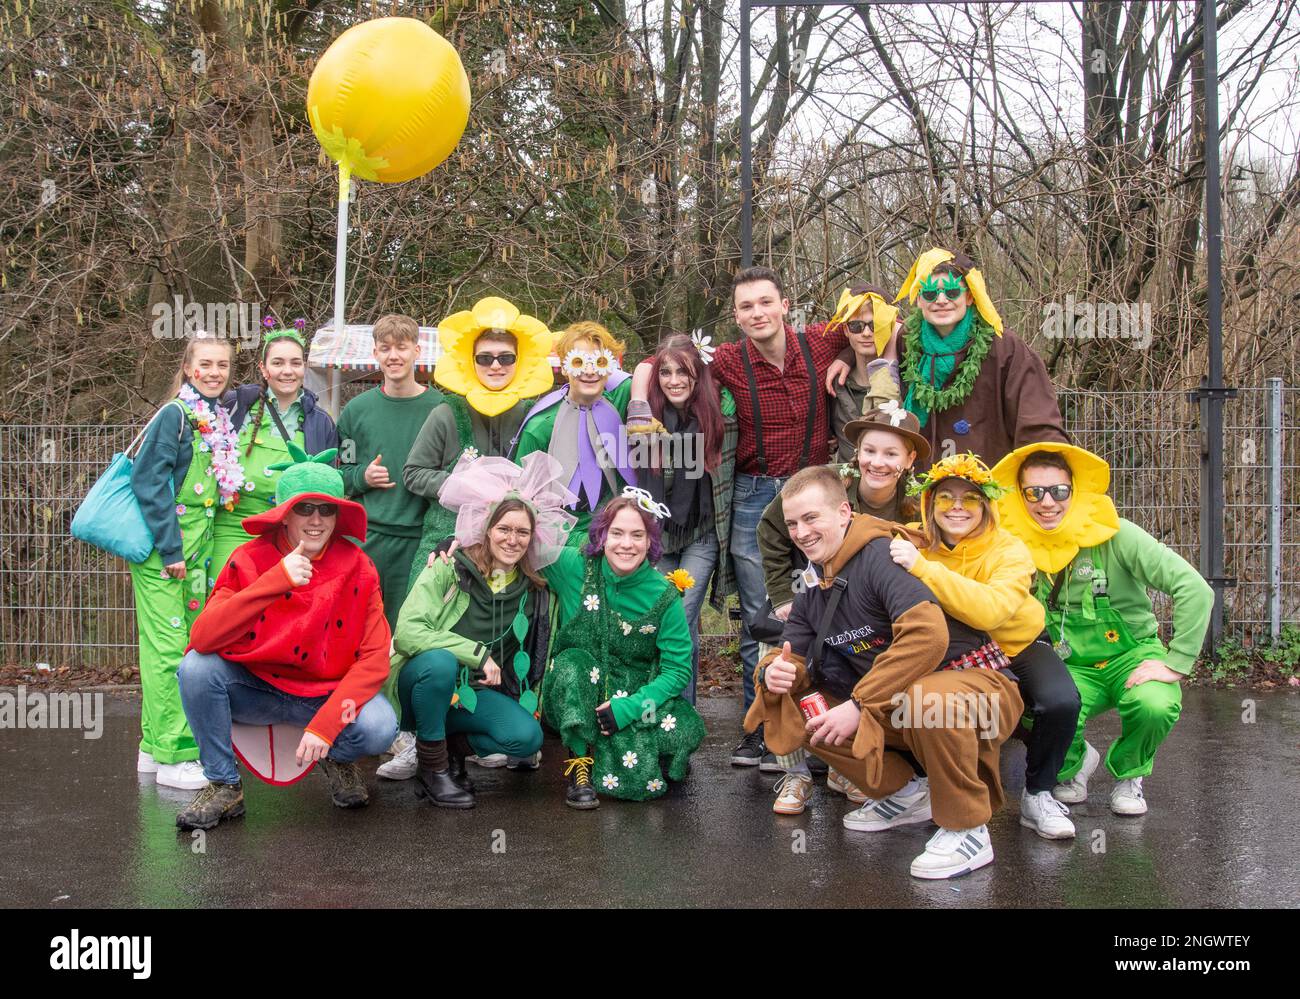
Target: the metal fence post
pixel 1274 423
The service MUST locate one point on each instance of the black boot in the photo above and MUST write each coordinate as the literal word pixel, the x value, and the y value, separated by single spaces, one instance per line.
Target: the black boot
pixel 433 780
pixel 458 748
pixel 580 793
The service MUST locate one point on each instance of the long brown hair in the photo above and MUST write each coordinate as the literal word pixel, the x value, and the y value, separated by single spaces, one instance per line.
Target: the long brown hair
pixel 201 338
pixel 703 404
pixel 481 555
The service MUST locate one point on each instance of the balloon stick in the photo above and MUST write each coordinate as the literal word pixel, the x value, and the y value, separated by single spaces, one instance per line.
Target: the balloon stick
pixel 341 248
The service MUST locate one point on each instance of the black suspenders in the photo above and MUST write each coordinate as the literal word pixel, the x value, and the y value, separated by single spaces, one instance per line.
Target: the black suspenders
pixel 758 416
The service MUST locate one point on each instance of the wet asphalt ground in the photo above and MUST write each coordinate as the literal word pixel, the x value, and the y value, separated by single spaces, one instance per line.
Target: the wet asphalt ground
pixel 79 828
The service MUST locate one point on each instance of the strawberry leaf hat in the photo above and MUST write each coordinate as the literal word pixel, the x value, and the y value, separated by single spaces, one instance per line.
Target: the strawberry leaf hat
pixel 310 477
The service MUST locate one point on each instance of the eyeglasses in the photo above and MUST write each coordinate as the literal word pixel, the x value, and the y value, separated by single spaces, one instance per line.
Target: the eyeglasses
pixel 855 326
pixel 522 533
pixel 486 360
pixel 324 509
pixel 1035 494
pixel 943 502
pixel 951 294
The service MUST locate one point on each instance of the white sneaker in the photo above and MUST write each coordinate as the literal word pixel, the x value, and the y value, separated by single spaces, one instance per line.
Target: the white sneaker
pixel 403 740
pixel 837 782
pixel 533 762
pixel 146 764
pixel 905 807
pixel 187 776
pixel 495 760
pixel 400 767
pixel 954 852
pixel 1045 815
pixel 792 793
pixel 1126 798
pixel 1075 790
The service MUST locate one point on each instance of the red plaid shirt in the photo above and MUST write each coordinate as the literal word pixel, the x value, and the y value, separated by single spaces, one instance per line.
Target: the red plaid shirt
pixel 782 400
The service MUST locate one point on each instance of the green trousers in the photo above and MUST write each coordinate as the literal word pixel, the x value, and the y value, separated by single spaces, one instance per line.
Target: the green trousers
pixel 392 555
pixel 1147 712
pixel 496 725
pixel 164 610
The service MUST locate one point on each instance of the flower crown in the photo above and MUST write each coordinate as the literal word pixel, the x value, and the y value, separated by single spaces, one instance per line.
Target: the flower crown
pixel 277 332
pixel 646 502
pixel 966 466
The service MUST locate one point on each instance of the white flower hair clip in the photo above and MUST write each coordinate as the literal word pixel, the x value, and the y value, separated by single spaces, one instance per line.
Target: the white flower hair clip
pixel 589 362
pixel 646 502
pixel 704 345
pixel 895 412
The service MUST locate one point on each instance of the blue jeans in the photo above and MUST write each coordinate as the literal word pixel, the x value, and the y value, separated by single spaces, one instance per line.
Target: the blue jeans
pixel 699 559
pixel 216 692
pixel 752 495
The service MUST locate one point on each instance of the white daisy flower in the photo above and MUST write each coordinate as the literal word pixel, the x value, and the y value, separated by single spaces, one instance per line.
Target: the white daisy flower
pixel 610 781
pixel 591 602
pixel 647 629
pixel 668 724
pixel 595 674
pixel 620 693
pixel 627 628
pixel 654 786
pixel 629 759
pixel 703 344
pixel 471 453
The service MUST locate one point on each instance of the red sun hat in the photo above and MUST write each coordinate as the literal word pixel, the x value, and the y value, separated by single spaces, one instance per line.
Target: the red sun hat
pixel 311 478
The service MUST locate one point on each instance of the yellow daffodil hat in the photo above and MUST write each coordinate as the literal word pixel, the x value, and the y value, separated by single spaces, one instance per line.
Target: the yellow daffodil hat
pixel 455 368
pixel 883 315
pixel 931 259
pixel 1091 519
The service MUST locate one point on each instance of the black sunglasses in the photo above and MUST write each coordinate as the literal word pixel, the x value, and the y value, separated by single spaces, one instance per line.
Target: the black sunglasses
pixel 1059 493
pixel 306 509
pixel 485 359
pixel 855 326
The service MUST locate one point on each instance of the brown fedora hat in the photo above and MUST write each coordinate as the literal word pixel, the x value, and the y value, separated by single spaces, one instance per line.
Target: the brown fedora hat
pixel 895 419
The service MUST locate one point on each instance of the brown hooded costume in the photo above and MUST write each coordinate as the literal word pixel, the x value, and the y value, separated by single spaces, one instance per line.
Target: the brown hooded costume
pixel 881 648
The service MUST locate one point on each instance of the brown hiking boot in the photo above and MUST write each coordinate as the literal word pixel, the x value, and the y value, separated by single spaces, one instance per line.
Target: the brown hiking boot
pixel 212 804
pixel 347 786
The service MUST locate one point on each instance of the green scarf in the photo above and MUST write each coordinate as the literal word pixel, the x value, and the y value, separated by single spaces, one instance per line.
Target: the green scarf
pixel 931 358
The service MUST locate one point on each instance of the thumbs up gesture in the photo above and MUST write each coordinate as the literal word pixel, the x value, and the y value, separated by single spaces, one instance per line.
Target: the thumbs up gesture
pixel 377 475
pixel 781 671
pixel 297 566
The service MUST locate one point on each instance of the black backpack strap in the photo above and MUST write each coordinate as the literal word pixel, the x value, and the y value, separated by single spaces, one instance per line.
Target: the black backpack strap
pixel 753 405
pixel 838 586
pixel 273 409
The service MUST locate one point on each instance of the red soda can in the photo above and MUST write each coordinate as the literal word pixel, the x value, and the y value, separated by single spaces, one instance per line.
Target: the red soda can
pixel 812 705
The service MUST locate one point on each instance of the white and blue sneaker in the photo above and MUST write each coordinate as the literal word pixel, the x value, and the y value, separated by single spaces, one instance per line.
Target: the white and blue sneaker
pixel 954 852
pixel 907 806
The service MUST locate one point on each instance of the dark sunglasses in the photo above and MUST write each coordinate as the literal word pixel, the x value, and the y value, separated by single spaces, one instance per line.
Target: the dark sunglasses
pixel 1059 493
pixel 485 359
pixel 324 509
pixel 951 294
pixel 855 326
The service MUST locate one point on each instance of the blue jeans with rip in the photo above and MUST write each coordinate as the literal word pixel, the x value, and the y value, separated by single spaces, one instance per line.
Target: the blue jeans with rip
pixel 699 558
pixel 217 692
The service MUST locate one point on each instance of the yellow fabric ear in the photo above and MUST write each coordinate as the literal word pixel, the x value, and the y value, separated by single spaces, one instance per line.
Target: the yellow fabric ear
pixel 983 304
pixel 1091 519
pixel 883 318
pixel 925 263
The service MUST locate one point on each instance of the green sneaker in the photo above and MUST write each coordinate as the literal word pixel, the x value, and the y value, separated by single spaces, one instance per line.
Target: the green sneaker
pixel 212 804
pixel 347 786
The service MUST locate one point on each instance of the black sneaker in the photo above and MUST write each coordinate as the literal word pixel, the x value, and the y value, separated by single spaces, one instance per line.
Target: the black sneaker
pixel 768 764
pixel 749 751
pixel 580 792
pixel 212 804
pixel 817 766
pixel 347 786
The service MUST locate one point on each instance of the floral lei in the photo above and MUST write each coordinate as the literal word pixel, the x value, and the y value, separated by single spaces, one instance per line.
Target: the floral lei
pixel 218 435
pixel 926 396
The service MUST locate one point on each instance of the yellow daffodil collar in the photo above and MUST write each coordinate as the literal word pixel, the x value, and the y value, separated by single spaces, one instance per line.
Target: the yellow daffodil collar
pixel 883 315
pixel 455 368
pixel 959 466
pixel 931 259
pixel 1091 519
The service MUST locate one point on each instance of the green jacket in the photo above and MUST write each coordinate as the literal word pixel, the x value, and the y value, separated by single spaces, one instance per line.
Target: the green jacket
pixel 434 605
pixel 1134 562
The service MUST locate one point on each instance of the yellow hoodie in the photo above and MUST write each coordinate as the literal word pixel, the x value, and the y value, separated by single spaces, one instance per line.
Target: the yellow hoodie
pixel 985 582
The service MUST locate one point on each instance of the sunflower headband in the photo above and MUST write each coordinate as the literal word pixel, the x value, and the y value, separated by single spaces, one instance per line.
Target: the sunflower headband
pixel 589 362
pixel 646 502
pixel 960 466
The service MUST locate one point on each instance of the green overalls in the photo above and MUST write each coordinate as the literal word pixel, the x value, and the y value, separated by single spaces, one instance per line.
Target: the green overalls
pixel 258 494
pixel 166 607
pixel 1100 652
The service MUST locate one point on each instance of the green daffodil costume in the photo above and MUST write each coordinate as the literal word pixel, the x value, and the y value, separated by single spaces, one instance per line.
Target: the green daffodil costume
pixel 623 639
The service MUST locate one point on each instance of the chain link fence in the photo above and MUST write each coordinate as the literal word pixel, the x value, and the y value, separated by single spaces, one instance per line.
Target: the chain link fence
pixel 65 603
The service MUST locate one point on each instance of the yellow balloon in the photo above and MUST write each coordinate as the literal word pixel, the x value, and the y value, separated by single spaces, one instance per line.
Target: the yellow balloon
pixel 389 100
